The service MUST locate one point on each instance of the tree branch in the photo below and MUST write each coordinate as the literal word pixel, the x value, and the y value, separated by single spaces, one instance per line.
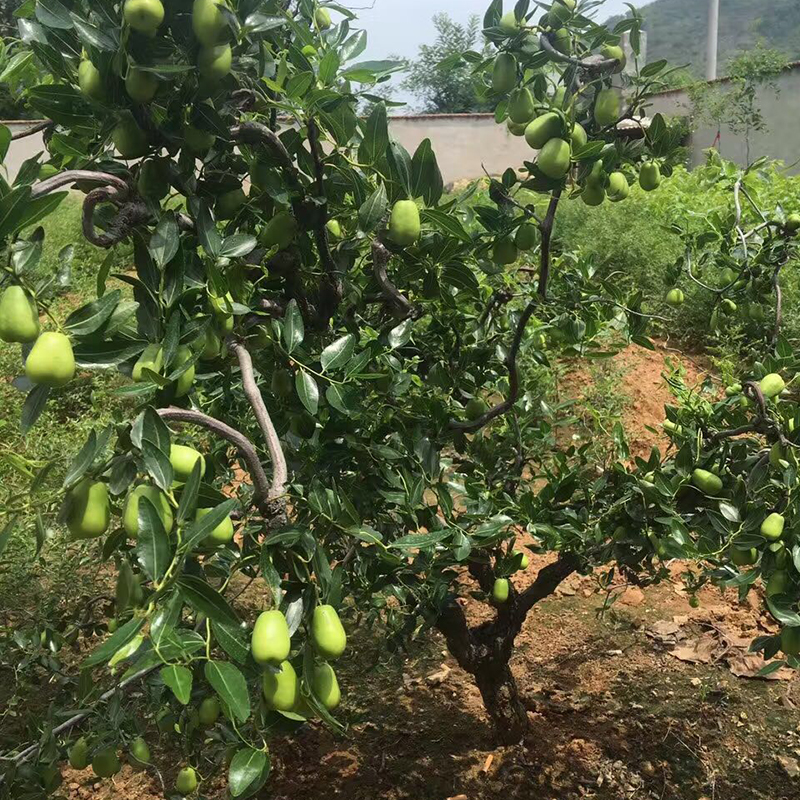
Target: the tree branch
pixel 279 472
pixel 380 260
pixel 452 623
pixel 591 64
pixel 79 175
pixel 546 229
pixel 40 126
pixel 254 133
pixel 131 214
pixel 245 447
pixel 547 581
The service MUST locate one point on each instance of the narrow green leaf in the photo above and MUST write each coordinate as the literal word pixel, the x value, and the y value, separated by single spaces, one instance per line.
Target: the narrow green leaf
pixel 153 548
pixel 293 327
pixel 246 766
pixel 179 679
pixel 230 685
pixel 205 599
pixel 118 639
pixel 338 353
pixel 307 391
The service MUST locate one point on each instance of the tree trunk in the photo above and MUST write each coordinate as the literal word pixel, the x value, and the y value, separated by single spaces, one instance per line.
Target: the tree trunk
pixel 501 698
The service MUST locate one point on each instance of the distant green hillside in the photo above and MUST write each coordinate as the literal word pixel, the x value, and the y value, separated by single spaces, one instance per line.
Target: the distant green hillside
pixel 677 29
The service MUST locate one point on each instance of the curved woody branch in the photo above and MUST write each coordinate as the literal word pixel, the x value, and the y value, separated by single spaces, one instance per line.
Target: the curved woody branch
pixel 591 64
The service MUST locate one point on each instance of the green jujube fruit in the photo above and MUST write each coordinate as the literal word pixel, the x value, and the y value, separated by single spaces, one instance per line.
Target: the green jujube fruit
pixel 323 18
pixel 129 139
pixel 209 710
pixel 90 81
pixel 541 130
pixel 153 179
pixel 208 22
pixel 270 642
pixel 793 223
pixel 404 223
pixel 504 251
pixel 327 632
pixel 520 106
pixel 772 527
pixel 79 754
pixel 214 63
pixel 650 177
pixel 105 763
pixel 222 534
pixel 526 236
pixel 607 107
pixel 579 137
pixel 19 318
pixel 476 407
pixel 152 358
pixel 559 14
pixel 197 141
pixel 674 298
pixel 778 583
pixel 212 345
pixel 130 515
pixel 51 361
pixel 508 23
pixel 88 512
pixel 279 231
pixel 562 41
pixel 772 385
pixel 500 590
pixel 504 73
pixel 618 187
pixel 593 194
pixel 186 782
pixel 282 689
pixel 139 753
pixel 185 381
pixel 334 228
pixel 326 686
pixel 616 52
pixel 706 481
pixel 144 16
pixel 140 85
pixel 554 158
pixel 282 384
pixel 790 641
pixel 743 558
pixel 229 203
pixel 183 459
pixel 514 129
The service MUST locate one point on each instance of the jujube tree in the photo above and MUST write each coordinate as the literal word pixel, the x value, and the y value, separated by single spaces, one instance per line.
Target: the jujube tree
pixel 333 365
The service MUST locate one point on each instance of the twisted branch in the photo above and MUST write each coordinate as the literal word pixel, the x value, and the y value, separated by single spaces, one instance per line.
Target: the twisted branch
pixel 40 126
pixel 591 64
pixel 380 260
pixel 279 470
pixel 254 133
pixel 247 451
pixel 74 176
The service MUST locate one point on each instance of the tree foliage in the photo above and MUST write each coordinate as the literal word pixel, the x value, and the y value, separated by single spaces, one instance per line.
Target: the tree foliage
pixel 336 378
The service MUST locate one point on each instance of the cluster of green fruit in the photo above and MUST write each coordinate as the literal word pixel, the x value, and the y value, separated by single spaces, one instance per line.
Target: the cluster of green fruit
pixel 501 587
pixel 50 361
pixel 88 507
pixel 270 646
pixel 105 761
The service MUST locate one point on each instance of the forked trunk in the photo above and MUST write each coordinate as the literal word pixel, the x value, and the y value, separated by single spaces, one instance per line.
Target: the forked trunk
pixel 501 698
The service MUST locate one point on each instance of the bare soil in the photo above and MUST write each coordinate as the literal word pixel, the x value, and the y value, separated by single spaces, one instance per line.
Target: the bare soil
pixel 617 709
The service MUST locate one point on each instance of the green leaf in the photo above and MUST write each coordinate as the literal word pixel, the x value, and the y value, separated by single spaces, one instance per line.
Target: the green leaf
pixel 152 543
pixel 447 223
pixel 5 534
pixel 203 598
pixel 16 65
pixel 92 36
pixel 294 330
pixel 307 391
pixel 328 67
pixel 246 766
pixel 53 15
pixel 345 399
pixel 179 679
pixel 339 353
pixel 201 529
pixel 89 318
pixel 238 245
pixel 420 540
pixel 230 685
pixel 33 406
pixel 730 512
pixel 188 502
pixel 158 465
pixel 117 640
pixel 165 241
pixel 373 209
pixel 780 607
pixel 401 334
pixel 426 179
pixel 376 136
pixel 231 639
pixel 259 22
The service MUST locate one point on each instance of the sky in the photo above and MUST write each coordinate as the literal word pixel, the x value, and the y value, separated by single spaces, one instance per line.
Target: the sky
pixel 399 27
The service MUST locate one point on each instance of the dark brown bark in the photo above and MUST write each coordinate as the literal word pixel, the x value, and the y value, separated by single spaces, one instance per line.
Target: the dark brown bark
pixel 502 701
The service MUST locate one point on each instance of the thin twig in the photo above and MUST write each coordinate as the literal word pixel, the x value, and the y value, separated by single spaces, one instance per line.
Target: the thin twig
pixel 40 126
pixel 380 260
pixel 280 473
pixel 261 488
pixel 254 133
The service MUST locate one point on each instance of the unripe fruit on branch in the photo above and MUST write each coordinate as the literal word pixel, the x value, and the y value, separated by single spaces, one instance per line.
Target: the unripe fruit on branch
pixel 88 509
pixel 90 82
pixel 326 686
pixel 152 358
pixel 185 381
pixel 141 85
pixel 183 459
pixel 105 763
pixel 500 591
pixel 129 139
pixel 222 534
pixel 772 527
pixel 281 690
pixel 554 158
pixel 504 73
pixel 186 782
pixel 541 130
pixel 707 482
pixel 323 18
pixel 476 407
pixel 209 710
pixel 19 317
pixel 520 106
pixel 139 753
pixel 208 22
pixel 79 754
pixel 270 642
pixel 526 236
pixel 772 385
pixel 51 361
pixel 508 23
pixel 607 107
pixel 144 16
pixel 618 187
pixel 197 141
pixel 790 641
pixel 404 223
pixel 214 63
pixel 675 298
pixel 280 231
pixel 743 558
pixel 649 176
pixel 616 52
pixel 578 136
pixel 327 632
pixel 504 251
pixel 778 583
pixel 130 514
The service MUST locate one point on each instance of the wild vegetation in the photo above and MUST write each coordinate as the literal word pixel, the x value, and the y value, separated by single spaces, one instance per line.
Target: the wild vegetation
pixel 332 386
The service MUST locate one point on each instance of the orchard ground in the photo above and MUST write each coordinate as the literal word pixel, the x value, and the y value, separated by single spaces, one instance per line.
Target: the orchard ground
pixel 650 699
